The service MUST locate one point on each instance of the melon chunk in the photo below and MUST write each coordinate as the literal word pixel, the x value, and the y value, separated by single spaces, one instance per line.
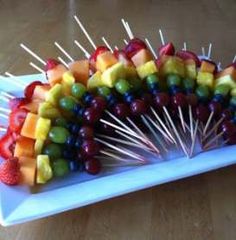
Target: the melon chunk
pixel 112 74
pixel 105 60
pixel 55 75
pixel 147 69
pixel 80 70
pixel 40 92
pixel 227 71
pixel 24 147
pixel 28 170
pixel 141 57
pixel 29 126
pixel 205 78
pixel 207 67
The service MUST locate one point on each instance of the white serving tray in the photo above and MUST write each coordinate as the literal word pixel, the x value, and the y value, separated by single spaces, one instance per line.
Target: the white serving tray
pixel 20 204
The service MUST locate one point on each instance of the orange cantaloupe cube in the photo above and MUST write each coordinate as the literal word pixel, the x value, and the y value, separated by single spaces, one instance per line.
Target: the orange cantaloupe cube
pixel 24 147
pixel 55 75
pixel 80 70
pixel 32 106
pixel 29 126
pixel 141 57
pixel 105 60
pixel 41 91
pixel 207 67
pixel 28 171
pixel 227 71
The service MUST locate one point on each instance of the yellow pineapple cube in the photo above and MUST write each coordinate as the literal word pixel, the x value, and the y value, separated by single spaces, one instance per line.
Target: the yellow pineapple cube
pixel 190 69
pixel 44 170
pixel 205 78
pixel 147 69
pixel 95 80
pixel 173 65
pixel 42 128
pixel 227 80
pixel 67 81
pixel 54 94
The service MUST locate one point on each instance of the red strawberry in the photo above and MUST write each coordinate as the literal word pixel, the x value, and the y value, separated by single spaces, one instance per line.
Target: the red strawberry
pixel 29 90
pixel 7 145
pixel 167 49
pixel 99 50
pixel 17 103
pixel 51 63
pixel 185 55
pixel 10 172
pixel 16 119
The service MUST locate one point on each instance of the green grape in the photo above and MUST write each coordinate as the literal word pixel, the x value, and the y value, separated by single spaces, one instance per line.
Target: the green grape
pixel 67 103
pixel 60 167
pixel 52 150
pixel 78 90
pixel 122 86
pixel 58 134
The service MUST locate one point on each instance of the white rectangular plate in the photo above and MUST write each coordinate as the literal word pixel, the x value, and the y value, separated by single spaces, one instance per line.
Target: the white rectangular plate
pixel 19 204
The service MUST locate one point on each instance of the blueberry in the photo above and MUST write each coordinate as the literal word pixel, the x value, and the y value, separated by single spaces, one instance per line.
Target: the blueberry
pixel 87 98
pixel 74 165
pixel 78 143
pixel 77 108
pixel 68 153
pixel 128 97
pixel 70 141
pixel 111 99
pixel 75 128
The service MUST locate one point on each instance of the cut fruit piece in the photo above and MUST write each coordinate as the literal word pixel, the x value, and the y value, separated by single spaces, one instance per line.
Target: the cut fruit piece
pixel 32 106
pixel 112 74
pixel 46 110
pixel 29 126
pixel 42 128
pixel 205 78
pixel 105 60
pixel 130 72
pixel 38 146
pixel 141 57
pixel 190 69
pixel 55 74
pixel 67 81
pixel 44 170
pixel 41 91
pixel 28 171
pixel 147 69
pixel 207 66
pixel 227 71
pixel 227 80
pixel 54 94
pixel 24 147
pixel 80 70
pixel 95 80
pixel 172 65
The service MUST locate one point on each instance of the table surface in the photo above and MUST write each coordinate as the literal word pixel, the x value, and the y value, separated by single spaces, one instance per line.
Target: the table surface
pixel 201 207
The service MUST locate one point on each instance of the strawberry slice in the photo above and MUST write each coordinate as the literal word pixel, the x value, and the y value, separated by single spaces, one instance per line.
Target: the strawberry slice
pixel 122 57
pixel 51 63
pixel 167 49
pixel 16 119
pixel 29 90
pixel 17 103
pixel 10 171
pixel 6 145
pixel 185 55
pixel 134 46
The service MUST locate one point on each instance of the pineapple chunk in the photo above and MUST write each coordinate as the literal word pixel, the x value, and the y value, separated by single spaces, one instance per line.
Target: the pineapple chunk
pixel 38 146
pixel 67 81
pixel 190 69
pixel 147 69
pixel 42 128
pixel 112 74
pixel 95 80
pixel 173 65
pixel 105 60
pixel 44 170
pixel 205 78
pixel 54 94
pixel 46 110
pixel 227 80
pixel 233 92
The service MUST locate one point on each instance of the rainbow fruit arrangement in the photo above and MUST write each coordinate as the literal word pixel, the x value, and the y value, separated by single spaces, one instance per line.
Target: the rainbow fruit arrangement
pixel 126 96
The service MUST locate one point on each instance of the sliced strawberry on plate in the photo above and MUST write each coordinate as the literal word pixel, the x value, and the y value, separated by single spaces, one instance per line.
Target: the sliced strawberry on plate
pixel 16 119
pixel 7 145
pixel 17 103
pixel 166 49
pixel 29 90
pixel 10 171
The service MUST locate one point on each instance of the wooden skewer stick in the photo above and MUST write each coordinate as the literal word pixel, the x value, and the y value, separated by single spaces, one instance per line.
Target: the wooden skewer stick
pixel 129 29
pixel 121 150
pixel 219 135
pixel 219 65
pixel 190 113
pixel 176 132
pixel 33 54
pixel 208 123
pixel 86 53
pixel 234 59
pixel 7 95
pixel 163 125
pixel 203 52
pixel 185 46
pixel 151 48
pixel 116 48
pixel 37 67
pixel 181 118
pixel 161 36
pixel 85 32
pixel 126 43
pixel 63 61
pixel 4 110
pixel 64 51
pixel 107 44
pixel 209 51
pixel 126 28
pixel 194 138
